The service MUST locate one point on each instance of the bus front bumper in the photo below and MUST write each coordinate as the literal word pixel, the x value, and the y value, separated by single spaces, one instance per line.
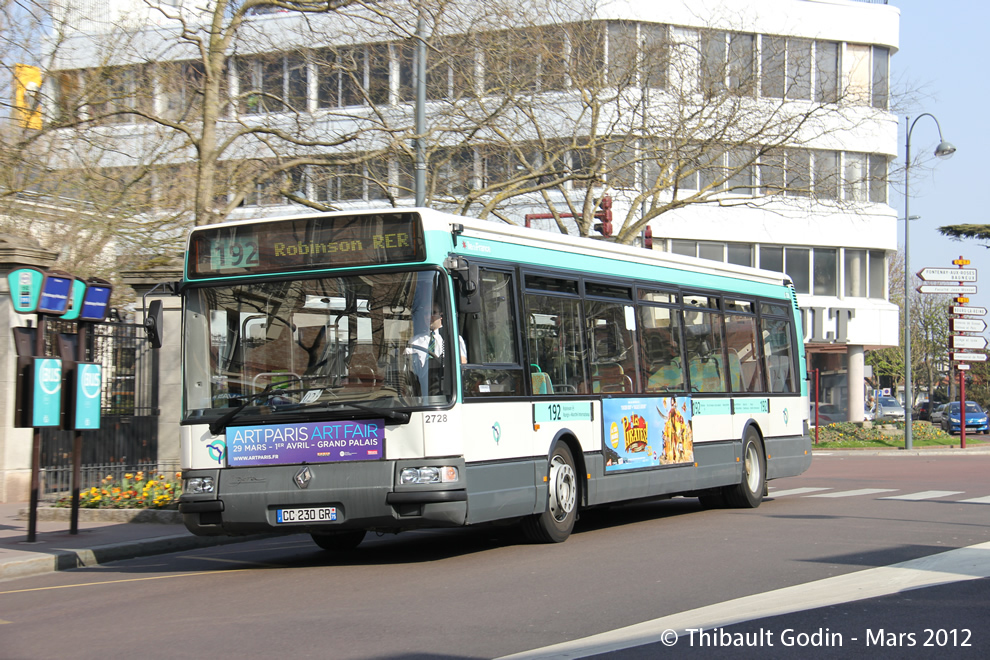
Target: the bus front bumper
pixel 365 495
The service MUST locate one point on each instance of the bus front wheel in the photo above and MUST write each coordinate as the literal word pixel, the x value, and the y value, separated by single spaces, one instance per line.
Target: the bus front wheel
pixel 342 541
pixel 555 524
pixel 748 493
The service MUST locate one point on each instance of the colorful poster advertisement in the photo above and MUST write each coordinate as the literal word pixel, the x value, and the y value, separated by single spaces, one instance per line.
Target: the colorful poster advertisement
pixel 308 442
pixel 647 432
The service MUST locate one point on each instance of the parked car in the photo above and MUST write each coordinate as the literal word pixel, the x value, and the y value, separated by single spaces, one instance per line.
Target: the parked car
pixel 923 410
pixel 888 409
pixel 827 414
pixel 936 416
pixel 976 418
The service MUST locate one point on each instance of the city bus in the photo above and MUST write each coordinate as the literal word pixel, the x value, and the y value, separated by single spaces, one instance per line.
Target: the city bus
pixel 320 395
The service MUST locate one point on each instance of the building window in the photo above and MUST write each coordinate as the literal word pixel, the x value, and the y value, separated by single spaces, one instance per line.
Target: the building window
pixel 878 179
pixel 727 62
pixel 826 174
pixel 858 72
pixel 797 265
pixel 686 248
pixel 881 77
pixel 826 72
pixel 826 272
pixel 855 177
pixel 855 273
pixel 878 274
pixel 740 254
pixel 262 81
pixel 656 55
pixel 772 258
pixel 742 171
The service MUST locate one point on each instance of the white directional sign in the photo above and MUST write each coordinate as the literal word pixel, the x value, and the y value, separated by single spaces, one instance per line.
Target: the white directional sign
pixel 969 311
pixel 947 274
pixel 954 289
pixel 968 325
pixel 960 341
pixel 970 357
pixel 963 367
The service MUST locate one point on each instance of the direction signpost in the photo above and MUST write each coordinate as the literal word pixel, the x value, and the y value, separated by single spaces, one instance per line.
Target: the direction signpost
pixel 966 338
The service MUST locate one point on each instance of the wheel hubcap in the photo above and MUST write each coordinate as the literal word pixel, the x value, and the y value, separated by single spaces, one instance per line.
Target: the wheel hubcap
pixel 563 489
pixel 753 476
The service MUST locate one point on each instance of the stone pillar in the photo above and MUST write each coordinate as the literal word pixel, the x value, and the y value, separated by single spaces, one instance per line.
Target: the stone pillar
pixel 169 355
pixel 15 444
pixel 855 383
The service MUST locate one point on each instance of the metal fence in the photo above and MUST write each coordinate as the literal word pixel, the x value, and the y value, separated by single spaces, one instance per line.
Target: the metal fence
pixel 56 482
pixel 128 433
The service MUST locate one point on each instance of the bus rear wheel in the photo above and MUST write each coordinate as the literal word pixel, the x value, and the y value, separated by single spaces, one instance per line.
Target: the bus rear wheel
pixel 341 541
pixel 748 493
pixel 556 523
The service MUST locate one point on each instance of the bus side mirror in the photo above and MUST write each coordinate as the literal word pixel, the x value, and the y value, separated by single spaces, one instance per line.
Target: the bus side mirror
pixel 468 277
pixel 154 323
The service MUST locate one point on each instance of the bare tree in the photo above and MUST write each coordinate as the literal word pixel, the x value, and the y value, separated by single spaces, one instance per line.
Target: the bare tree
pixel 179 115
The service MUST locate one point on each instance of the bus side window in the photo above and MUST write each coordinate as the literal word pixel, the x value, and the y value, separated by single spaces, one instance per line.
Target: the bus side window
pixel 493 367
pixel 556 345
pixel 778 354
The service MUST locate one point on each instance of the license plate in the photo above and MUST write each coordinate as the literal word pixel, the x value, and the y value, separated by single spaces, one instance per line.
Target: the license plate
pixel 308 514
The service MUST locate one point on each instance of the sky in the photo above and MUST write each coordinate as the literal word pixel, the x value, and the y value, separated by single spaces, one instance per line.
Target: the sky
pixel 942 48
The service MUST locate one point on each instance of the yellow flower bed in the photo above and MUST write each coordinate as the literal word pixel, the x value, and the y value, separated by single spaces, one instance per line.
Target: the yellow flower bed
pixel 136 491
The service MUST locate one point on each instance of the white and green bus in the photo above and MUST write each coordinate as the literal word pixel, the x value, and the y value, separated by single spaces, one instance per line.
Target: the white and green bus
pixel 318 396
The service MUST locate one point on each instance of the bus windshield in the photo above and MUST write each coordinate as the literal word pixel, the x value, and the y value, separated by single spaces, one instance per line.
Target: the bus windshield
pixel 333 344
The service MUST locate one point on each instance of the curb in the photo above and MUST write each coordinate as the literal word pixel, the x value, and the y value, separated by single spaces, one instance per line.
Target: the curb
pixel 64 560
pixel 63 514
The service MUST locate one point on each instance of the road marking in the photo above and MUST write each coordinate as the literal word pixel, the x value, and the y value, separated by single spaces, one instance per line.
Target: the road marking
pixel 976 500
pixel 3 622
pixel 795 491
pixel 970 563
pixel 96 584
pixel 923 495
pixel 853 493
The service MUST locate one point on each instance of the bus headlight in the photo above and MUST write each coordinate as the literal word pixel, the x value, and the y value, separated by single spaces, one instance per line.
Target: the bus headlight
pixel 198 485
pixel 428 475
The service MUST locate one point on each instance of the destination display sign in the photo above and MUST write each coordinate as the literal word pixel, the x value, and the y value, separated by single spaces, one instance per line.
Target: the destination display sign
pixel 947 274
pixel 321 241
pixel 969 357
pixel 55 292
pixel 947 288
pixel 968 325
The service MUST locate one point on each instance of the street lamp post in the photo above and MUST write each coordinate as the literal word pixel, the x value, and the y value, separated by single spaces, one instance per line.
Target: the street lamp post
pixel 943 150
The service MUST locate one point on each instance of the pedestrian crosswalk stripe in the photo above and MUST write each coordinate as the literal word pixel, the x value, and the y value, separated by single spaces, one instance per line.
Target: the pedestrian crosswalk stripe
pixel 853 493
pixel 795 491
pixel 976 500
pixel 923 495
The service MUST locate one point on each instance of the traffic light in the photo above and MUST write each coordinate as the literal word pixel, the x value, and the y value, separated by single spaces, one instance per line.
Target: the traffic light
pixel 605 215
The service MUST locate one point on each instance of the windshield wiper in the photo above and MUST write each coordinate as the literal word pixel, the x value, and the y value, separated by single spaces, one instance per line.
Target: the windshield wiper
pixel 219 425
pixel 395 416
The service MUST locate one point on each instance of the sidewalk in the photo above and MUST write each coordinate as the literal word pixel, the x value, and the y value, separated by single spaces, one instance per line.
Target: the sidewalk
pixel 96 543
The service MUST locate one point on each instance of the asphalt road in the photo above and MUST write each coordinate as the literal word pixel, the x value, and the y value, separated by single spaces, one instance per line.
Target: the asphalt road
pixel 824 544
